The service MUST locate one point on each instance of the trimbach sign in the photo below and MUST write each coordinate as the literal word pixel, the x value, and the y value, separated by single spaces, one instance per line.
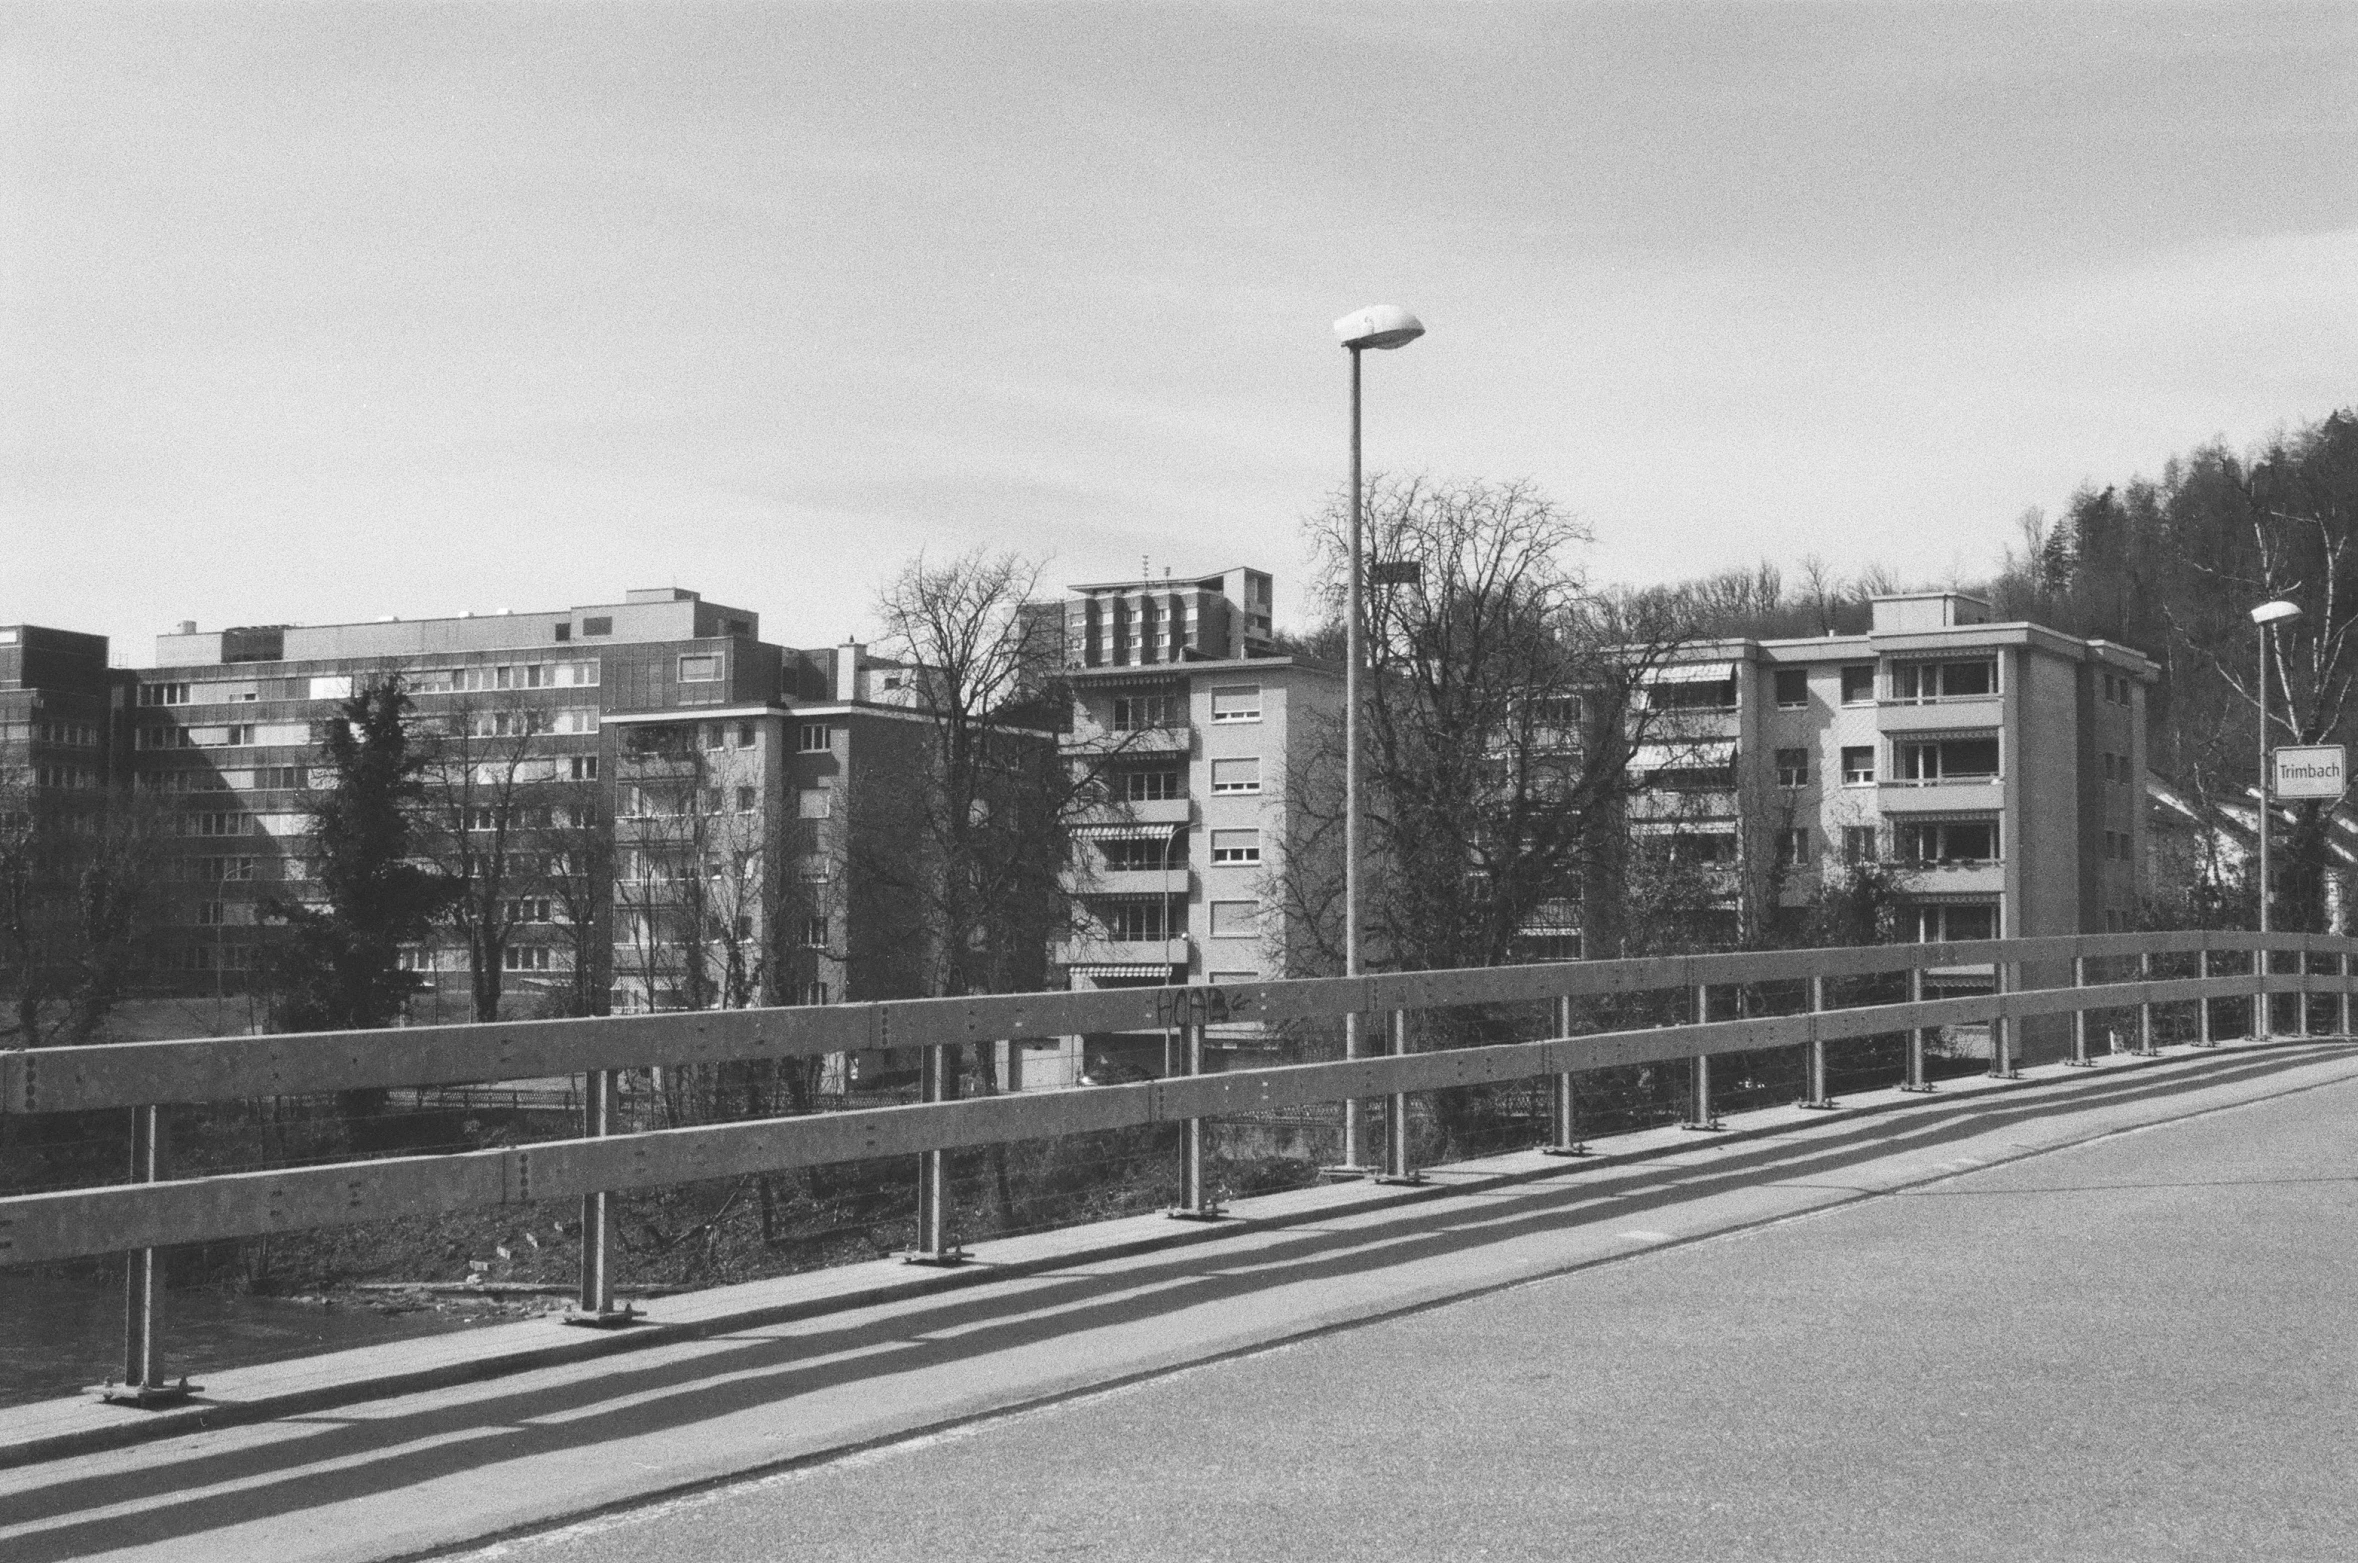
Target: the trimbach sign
pixel 2318 771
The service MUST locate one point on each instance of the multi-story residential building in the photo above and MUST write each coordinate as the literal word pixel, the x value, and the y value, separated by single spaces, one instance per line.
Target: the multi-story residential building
pixel 651 777
pixel 1998 767
pixel 60 710
pixel 1197 728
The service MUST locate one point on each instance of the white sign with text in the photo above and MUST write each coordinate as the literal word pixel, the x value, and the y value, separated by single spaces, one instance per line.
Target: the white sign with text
pixel 2314 771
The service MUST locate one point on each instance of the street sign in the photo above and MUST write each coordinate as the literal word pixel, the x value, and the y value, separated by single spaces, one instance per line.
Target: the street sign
pixel 2315 771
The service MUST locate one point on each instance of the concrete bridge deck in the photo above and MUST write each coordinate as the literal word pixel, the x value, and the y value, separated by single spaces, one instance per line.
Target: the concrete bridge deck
pixel 2089 1314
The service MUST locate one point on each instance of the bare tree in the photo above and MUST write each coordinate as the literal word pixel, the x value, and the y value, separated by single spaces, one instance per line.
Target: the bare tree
pixel 483 819
pixel 1501 715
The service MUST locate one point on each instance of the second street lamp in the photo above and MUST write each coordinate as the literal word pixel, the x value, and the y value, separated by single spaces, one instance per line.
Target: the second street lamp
pixel 1378 326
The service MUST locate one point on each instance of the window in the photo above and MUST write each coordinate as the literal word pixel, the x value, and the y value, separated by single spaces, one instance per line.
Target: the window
pixel 226 870
pixel 1237 703
pixel 582 767
pixel 814 738
pixel 163 694
pixel 1921 681
pixel 814 871
pixel 814 933
pixel 281 778
pixel 1792 688
pixel 1949 759
pixel 209 913
pixel 528 910
pixel 811 993
pixel 1133 922
pixel 745 800
pixel 1947 841
pixel 1858 766
pixel 700 668
pixel 710 799
pixel 236 735
pixel 1956 924
pixel 1236 846
pixel 166 738
pixel 563 631
pixel 1699 695
pixel 1235 919
pixel 1792 767
pixel 217 825
pixel 1236 776
pixel 1133 854
pixel 336 686
pixel 1140 713
pixel 1858 684
pixel 574 719
pixel 525 957
pixel 1151 786
pixel 1793 848
pixel 814 803
pixel 601 625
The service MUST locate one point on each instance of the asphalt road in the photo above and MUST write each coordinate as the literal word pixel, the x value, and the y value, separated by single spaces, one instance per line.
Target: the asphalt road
pixel 2139 1347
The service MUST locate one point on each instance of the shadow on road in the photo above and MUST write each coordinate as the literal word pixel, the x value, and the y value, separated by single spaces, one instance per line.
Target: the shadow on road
pixel 326 1458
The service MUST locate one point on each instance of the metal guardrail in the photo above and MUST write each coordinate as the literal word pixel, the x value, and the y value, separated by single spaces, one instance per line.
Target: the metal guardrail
pixel 154 1211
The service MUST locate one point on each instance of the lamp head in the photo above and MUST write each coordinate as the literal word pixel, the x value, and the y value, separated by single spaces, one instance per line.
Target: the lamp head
pixel 2277 612
pixel 1379 325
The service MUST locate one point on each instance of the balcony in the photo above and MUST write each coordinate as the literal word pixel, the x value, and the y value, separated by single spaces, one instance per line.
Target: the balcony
pixel 1135 740
pixel 1956 876
pixel 1948 714
pixel 1119 952
pixel 1136 881
pixel 1153 811
pixel 1978 794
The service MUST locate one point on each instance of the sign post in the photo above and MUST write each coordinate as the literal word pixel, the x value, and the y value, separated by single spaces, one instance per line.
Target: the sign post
pixel 2311 771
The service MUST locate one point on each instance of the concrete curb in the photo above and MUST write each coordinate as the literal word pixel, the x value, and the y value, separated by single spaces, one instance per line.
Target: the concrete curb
pixel 52 1430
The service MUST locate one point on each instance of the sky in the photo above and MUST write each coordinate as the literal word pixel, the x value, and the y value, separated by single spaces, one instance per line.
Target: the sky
pixel 318 312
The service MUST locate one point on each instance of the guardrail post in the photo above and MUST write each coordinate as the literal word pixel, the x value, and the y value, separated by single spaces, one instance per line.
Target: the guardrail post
pixel 2001 1032
pixel 2342 993
pixel 1563 1119
pixel 1814 1051
pixel 2145 1043
pixel 594 1307
pixel 143 1383
pixel 2202 1007
pixel 2260 965
pixel 1396 1168
pixel 1195 1200
pixel 2301 995
pixel 2079 1018
pixel 1354 1110
pixel 935 1245
pixel 1914 1079
pixel 1699 1073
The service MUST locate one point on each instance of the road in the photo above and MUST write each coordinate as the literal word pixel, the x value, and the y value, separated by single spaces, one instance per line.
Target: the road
pixel 2103 1318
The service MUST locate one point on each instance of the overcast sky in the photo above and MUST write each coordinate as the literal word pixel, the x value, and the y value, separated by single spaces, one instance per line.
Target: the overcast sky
pixel 319 312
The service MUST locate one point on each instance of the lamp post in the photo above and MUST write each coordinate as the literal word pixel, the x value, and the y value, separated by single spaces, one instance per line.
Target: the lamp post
pixel 2266 616
pixel 1379 326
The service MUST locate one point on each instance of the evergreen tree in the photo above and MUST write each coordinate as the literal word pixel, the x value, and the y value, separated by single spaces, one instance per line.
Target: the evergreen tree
pixel 341 970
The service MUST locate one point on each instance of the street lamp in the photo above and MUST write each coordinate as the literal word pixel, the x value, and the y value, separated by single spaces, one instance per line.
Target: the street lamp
pixel 1379 326
pixel 2265 616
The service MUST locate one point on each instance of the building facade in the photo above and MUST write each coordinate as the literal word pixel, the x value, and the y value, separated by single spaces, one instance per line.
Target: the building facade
pixel 1197 731
pixel 1997 768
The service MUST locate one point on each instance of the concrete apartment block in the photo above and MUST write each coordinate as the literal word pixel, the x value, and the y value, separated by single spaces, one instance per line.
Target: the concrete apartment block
pixel 1998 766
pixel 1198 728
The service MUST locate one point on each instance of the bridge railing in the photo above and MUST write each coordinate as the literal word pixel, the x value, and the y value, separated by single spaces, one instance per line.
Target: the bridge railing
pixel 2025 979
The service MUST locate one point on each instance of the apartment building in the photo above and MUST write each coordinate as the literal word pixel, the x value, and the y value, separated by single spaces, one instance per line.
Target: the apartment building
pixel 1998 767
pixel 1195 726
pixel 60 710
